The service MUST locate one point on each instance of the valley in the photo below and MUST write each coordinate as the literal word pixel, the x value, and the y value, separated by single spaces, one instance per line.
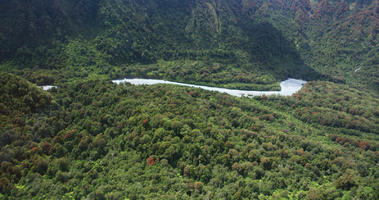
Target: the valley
pixel 223 99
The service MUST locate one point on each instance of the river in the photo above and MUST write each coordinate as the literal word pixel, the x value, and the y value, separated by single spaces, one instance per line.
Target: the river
pixel 288 87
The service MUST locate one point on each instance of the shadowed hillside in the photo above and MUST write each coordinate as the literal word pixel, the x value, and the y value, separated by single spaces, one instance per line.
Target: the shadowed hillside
pixel 89 138
pixel 276 38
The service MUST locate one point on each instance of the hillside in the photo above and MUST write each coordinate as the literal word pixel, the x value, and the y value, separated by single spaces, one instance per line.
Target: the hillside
pixel 107 141
pixel 18 98
pixel 262 41
pixel 89 138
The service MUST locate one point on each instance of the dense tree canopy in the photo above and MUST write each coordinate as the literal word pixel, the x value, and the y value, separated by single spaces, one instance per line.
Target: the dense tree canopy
pixel 266 40
pixel 92 139
pixel 101 140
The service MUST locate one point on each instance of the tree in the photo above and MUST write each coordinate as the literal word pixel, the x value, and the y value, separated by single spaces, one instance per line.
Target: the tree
pixel 347 180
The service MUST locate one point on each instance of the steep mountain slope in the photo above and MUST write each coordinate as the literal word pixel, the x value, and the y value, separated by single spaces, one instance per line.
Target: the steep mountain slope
pixel 92 139
pixel 275 39
pixel 28 27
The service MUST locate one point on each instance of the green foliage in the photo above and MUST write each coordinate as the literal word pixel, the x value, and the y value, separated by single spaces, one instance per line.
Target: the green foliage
pixel 18 98
pixel 347 180
pixel 20 95
pixel 166 141
pixel 333 105
pixel 275 38
pixel 126 33
pixel 202 73
pixel 91 139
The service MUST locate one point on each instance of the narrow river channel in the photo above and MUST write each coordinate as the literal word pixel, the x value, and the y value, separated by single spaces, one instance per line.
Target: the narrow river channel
pixel 288 87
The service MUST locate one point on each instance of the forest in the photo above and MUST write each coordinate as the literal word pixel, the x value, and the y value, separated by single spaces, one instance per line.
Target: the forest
pixel 88 138
pixel 96 139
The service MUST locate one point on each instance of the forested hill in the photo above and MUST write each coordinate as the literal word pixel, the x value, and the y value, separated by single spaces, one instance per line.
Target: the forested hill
pixel 274 39
pixel 89 138
pixel 93 139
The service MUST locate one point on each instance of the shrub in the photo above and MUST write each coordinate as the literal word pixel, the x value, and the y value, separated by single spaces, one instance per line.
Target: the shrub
pixel 5 185
pixel 46 147
pixel 347 180
pixel 367 193
pixel 40 165
pixel 63 164
pixel 62 176
pixel 99 195
pixel 152 160
pixel 266 163
pixel 314 195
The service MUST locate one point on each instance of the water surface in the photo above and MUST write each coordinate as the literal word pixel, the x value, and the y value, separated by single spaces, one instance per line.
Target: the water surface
pixel 47 87
pixel 288 87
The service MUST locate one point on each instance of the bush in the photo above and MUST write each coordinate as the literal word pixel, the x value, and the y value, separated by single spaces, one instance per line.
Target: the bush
pixel 314 195
pixel 5 185
pixel 63 164
pixel 347 180
pixel 62 176
pixel 99 195
pixel 367 193
pixel 152 160
pixel 40 165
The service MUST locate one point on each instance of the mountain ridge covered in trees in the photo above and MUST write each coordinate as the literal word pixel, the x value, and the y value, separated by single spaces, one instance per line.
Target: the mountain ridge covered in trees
pixel 92 139
pixel 302 39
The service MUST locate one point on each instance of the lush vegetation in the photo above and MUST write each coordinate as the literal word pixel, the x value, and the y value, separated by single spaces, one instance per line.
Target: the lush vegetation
pixel 104 141
pixel 19 97
pixel 333 105
pixel 202 73
pixel 92 139
pixel 265 40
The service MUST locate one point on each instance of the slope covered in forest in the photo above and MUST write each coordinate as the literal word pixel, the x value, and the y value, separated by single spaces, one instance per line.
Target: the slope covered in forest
pixel 92 139
pixel 262 42
pixel 19 97
pixel 106 141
